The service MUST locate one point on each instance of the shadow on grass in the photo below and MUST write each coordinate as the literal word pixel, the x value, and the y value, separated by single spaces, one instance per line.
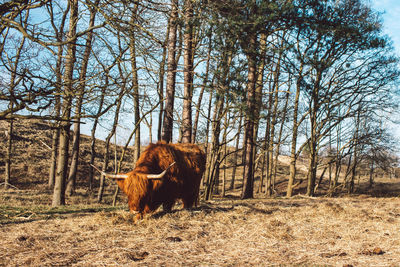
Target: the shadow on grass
pixel 16 215
pixel 250 206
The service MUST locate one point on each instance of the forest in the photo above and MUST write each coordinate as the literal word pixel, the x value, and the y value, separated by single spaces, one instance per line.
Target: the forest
pixel 294 102
pixel 250 81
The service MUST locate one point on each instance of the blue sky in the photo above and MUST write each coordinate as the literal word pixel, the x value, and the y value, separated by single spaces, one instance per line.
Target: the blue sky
pixel 391 16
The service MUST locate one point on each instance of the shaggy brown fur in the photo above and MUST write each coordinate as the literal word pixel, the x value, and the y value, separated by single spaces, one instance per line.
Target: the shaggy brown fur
pixel 182 180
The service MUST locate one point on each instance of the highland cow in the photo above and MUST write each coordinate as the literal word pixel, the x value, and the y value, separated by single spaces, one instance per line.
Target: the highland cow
pixel 164 173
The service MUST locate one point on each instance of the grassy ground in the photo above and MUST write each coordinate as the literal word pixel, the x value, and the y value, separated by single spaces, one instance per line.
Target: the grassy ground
pixel 347 231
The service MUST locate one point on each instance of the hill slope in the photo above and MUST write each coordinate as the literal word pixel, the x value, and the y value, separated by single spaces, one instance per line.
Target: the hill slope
pixel 31 153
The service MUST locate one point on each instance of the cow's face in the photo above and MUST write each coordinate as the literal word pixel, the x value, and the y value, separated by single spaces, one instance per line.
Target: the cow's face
pixel 135 186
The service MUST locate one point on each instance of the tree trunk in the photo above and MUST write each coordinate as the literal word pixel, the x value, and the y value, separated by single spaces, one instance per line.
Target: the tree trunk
pixel 213 174
pixel 206 145
pixel 93 134
pixel 205 80
pixel 264 160
pixel 355 155
pixel 371 175
pixel 54 150
pixel 235 155
pixel 135 87
pixel 221 87
pixel 186 127
pixel 161 85
pixel 107 144
pixel 57 106
pixel 313 144
pixel 225 161
pixel 312 172
pixel 9 153
pixel 9 133
pixel 171 74
pixel 249 145
pixel 293 148
pixel 71 181
pixel 279 141
pixel 267 139
pixel 259 90
pixel 62 162
pixel 70 189
pixel 271 147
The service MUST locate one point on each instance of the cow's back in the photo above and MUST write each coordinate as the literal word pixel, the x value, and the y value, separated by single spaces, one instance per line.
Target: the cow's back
pixel 190 158
pixel 182 181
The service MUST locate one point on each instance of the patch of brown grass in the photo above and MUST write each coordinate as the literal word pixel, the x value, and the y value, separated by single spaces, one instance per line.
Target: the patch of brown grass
pixel 260 232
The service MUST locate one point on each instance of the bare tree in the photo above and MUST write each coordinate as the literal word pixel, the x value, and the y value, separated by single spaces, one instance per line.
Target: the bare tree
pixel 63 154
pixel 13 66
pixel 71 181
pixel 108 139
pixel 135 84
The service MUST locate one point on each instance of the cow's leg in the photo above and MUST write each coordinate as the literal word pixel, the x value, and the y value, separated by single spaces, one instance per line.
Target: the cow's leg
pixel 138 217
pixel 196 191
pixel 133 209
pixel 167 205
pixel 143 211
pixel 191 197
pixel 188 202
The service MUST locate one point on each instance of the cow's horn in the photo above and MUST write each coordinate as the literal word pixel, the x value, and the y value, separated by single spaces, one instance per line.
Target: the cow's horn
pixel 161 175
pixel 112 176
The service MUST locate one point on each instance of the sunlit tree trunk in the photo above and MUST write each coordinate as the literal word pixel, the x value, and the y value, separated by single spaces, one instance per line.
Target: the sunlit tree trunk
pixel 259 88
pixel 205 80
pixel 8 157
pixel 57 104
pixel 93 134
pixel 213 173
pixel 14 69
pixel 313 143
pixel 10 129
pixel 186 127
pixel 71 182
pixel 73 170
pixel 161 85
pixel 107 143
pixel 249 144
pixel 279 140
pixel 54 145
pixel 235 155
pixel 166 134
pixel 225 151
pixel 135 87
pixel 222 82
pixel 293 148
pixel 207 145
pixel 62 162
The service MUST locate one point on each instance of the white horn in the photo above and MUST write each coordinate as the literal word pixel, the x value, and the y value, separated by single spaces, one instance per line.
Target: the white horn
pixel 161 175
pixel 112 176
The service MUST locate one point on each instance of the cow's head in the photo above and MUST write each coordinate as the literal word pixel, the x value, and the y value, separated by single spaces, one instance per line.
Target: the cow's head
pixel 121 177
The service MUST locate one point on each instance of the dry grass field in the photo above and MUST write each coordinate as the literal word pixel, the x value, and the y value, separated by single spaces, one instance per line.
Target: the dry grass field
pixel 346 231
pixel 362 229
